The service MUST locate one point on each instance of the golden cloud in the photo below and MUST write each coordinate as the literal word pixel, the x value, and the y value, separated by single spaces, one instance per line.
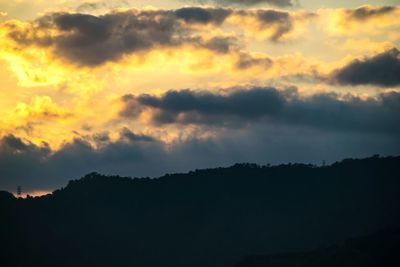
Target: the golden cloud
pixel 371 20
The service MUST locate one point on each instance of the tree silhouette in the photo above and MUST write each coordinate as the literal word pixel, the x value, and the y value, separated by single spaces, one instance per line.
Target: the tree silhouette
pixel 211 217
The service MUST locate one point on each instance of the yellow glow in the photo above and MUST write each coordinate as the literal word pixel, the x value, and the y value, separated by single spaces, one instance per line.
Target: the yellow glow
pixel 48 98
pixel 32 194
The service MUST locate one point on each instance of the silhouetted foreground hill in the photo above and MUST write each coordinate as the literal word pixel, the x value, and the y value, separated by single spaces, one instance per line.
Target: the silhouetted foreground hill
pixel 378 250
pixel 207 218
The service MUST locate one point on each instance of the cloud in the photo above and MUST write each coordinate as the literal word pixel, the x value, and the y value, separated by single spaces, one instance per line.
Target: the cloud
pixel 246 61
pixel 380 70
pixel 127 134
pixel 279 20
pixel 222 44
pixel 37 167
pixel 18 159
pixel 89 40
pixel 93 40
pixel 203 15
pixel 40 111
pixel 96 5
pixel 324 111
pixel 365 20
pixel 275 25
pixel 280 3
pixel 367 12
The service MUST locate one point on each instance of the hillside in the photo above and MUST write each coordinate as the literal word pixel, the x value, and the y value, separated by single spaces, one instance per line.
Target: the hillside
pixel 376 250
pixel 212 217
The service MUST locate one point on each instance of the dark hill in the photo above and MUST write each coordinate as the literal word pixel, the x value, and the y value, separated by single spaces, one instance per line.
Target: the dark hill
pixel 6 196
pixel 207 218
pixel 380 249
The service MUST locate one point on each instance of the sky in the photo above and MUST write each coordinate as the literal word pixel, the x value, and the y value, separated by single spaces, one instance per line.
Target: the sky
pixel 144 88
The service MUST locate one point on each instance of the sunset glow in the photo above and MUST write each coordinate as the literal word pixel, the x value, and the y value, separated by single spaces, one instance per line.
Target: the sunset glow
pixel 119 86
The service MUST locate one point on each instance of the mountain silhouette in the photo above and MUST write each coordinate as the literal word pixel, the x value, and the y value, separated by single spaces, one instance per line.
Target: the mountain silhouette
pixel 204 218
pixel 376 250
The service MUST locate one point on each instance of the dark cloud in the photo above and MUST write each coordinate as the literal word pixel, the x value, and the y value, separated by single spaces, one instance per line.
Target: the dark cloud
pixel 19 159
pixel 132 107
pixel 92 40
pixel 366 12
pixel 89 40
pixel 280 3
pixel 281 19
pixel 109 37
pixel 16 145
pixel 326 111
pixel 36 167
pixel 251 103
pixel 246 61
pixel 39 167
pixel 132 137
pixel 381 70
pixel 221 44
pixel 281 22
pixel 272 16
pixel 202 15
pixel 265 125
pixel 100 138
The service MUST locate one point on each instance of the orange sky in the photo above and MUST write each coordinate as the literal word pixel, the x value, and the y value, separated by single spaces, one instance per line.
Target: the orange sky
pixel 67 65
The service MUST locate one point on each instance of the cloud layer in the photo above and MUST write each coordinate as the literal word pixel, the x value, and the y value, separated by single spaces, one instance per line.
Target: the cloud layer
pixel 367 12
pixel 244 125
pixel 37 167
pixel 89 40
pixel 382 70
pixel 327 111
pixel 280 3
